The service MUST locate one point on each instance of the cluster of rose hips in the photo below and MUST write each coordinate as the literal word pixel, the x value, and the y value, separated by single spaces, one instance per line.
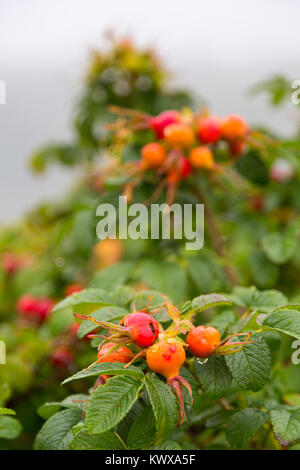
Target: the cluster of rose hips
pixel 34 309
pixel 164 350
pixel 185 141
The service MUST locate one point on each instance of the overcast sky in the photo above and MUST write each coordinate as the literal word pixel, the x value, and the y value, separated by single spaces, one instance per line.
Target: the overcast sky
pixel 218 48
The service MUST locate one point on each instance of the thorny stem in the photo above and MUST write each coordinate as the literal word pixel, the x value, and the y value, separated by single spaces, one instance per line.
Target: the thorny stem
pixel 216 238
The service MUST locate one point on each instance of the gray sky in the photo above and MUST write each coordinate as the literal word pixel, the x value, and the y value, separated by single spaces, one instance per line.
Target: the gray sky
pixel 217 48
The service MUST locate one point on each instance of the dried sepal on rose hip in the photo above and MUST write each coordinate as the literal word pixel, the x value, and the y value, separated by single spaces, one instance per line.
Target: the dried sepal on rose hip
pixel 165 358
pixel 138 328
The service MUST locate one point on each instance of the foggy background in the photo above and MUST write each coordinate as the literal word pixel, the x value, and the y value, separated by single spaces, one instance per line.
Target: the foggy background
pixel 217 48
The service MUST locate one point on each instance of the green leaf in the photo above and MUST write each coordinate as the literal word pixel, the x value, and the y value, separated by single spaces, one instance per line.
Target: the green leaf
pixel 201 273
pixel 48 409
pixel 10 428
pixel 109 403
pixel 280 247
pixel 87 300
pixel 204 302
pixel 286 320
pixel 105 441
pixel 60 320
pixel 214 375
pixel 111 314
pixel 251 367
pixel 167 277
pixel 7 411
pixel 253 299
pixel 286 424
pixel 243 426
pixel 106 368
pixel 56 433
pixel 109 278
pixel 164 407
pixel 141 434
pixel 168 445
pixel 253 167
pixel 264 272
pixel 223 321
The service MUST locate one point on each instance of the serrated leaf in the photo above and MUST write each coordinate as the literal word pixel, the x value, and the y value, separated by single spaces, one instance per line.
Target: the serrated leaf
pixel 109 278
pixel 251 367
pixel 164 407
pixel 109 403
pixel 214 375
pixel 168 445
pixel 50 408
pixel 204 302
pixel 56 433
pixel 253 299
pixel 10 428
pixel 90 299
pixel 286 320
pixel 243 426
pixel 286 424
pixel 106 368
pixel 105 441
pixel 141 434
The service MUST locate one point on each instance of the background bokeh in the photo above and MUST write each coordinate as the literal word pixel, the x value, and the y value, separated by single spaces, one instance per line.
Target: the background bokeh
pixel 217 49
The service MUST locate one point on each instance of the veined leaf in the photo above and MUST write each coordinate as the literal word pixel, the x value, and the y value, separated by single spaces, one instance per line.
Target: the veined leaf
pixel 56 433
pixel 111 402
pixel 10 428
pixel 286 424
pixel 243 425
pixel 168 445
pixel 253 299
pixel 251 366
pixel 86 300
pixel 164 406
pixel 105 441
pixel 214 375
pixel 204 302
pixel 106 368
pixel 285 320
pixel 141 434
